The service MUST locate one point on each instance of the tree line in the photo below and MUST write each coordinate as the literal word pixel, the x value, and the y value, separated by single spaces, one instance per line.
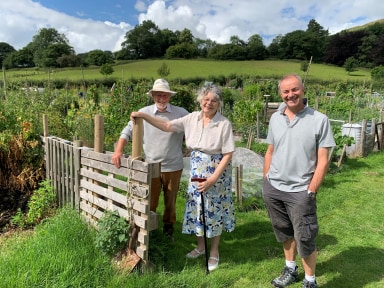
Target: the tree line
pixel 360 48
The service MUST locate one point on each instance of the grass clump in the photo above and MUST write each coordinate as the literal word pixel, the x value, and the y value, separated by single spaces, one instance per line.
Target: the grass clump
pixel 58 254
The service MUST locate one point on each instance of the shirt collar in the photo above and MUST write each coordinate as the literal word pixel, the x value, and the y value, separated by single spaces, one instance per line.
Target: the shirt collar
pixel 215 118
pixel 168 109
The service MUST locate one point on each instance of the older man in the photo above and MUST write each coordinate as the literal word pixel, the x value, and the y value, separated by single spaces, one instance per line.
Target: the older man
pixel 161 147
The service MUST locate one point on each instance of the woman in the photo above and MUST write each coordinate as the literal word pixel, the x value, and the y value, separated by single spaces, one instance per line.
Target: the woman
pixel 209 135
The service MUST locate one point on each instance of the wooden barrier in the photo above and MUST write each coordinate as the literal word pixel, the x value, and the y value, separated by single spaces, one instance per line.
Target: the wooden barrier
pixel 87 180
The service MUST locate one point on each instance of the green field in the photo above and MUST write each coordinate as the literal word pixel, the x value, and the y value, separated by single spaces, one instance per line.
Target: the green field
pixel 192 68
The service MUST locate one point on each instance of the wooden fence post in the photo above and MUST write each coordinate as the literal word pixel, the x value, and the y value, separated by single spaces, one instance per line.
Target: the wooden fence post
pixel 239 184
pixel 360 146
pixel 137 138
pixel 45 125
pixel 99 134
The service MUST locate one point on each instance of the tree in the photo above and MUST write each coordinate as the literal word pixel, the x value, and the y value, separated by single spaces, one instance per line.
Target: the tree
pixel 5 49
pixel 185 36
pixel 203 46
pixel 143 41
pixel 168 39
pixel 98 57
pixel 292 45
pixel 235 40
pixel 54 52
pixel 255 48
pixel 164 70
pixel 227 52
pixel 41 42
pixel 274 47
pixel 377 73
pixel 316 40
pixel 106 69
pixel 182 50
pixel 351 65
pixel 343 45
pixel 22 58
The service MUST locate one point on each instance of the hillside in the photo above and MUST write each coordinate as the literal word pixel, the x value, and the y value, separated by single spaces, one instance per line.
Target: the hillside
pixel 362 27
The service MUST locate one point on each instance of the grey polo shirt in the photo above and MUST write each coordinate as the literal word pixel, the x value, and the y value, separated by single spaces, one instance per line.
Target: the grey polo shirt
pixel 215 138
pixel 160 146
pixel 295 144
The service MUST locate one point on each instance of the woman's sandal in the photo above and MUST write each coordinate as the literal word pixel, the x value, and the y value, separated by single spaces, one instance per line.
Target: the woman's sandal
pixel 212 267
pixel 195 253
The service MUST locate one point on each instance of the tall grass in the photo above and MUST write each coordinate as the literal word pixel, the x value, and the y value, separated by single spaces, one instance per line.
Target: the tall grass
pixel 61 252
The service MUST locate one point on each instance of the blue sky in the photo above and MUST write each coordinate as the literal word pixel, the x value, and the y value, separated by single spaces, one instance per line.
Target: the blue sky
pixel 102 24
pixel 114 11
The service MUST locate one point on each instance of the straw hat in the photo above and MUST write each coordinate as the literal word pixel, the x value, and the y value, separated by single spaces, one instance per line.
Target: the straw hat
pixel 162 86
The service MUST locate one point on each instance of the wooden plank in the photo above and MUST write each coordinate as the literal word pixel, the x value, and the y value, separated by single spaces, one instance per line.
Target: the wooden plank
pixel 90 210
pixel 141 221
pixel 104 204
pixel 110 168
pixel 108 180
pixel 142 237
pixel 139 190
pixel 107 158
pixel 117 197
pixel 142 253
pixel 139 206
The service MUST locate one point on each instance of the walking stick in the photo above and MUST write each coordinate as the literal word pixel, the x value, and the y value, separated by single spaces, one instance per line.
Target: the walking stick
pixel 205 228
pixel 205 233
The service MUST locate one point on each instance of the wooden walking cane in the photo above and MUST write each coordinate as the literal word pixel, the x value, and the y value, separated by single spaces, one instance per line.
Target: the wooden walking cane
pixel 205 227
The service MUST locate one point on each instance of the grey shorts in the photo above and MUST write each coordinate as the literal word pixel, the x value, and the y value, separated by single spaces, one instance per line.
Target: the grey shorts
pixel 293 215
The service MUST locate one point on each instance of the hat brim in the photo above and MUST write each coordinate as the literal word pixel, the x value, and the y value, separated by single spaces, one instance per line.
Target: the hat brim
pixel 161 90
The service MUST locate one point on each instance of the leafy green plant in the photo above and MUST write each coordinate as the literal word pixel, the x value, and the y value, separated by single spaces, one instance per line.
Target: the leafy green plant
pixel 163 70
pixel 112 233
pixel 41 205
pixel 341 140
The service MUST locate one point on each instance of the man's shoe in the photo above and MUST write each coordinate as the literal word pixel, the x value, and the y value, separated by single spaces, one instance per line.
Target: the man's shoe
pixel 307 284
pixel 168 231
pixel 287 277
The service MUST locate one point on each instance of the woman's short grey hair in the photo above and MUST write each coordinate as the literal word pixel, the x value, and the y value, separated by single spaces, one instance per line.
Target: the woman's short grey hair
pixel 214 90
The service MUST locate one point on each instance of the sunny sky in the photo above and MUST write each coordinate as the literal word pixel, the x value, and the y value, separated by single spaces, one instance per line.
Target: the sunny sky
pixel 102 24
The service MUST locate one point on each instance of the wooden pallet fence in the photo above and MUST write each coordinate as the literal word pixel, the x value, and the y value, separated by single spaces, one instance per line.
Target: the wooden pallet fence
pixel 125 190
pixel 89 182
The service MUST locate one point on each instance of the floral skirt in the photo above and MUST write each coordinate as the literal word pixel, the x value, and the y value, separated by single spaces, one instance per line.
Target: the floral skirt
pixel 218 203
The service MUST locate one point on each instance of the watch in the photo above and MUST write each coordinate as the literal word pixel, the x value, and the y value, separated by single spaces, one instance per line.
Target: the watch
pixel 311 195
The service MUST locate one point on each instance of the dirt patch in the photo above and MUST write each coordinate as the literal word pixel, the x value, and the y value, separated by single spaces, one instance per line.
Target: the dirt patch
pixel 10 202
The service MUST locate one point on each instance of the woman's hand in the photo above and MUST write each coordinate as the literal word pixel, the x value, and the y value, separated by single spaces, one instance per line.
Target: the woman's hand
pixel 204 186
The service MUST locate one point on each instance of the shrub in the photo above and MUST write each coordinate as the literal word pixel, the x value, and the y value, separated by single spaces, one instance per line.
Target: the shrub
pixel 112 233
pixel 41 205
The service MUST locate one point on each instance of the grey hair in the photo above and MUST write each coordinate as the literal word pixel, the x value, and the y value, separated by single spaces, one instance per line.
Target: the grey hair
pixel 214 90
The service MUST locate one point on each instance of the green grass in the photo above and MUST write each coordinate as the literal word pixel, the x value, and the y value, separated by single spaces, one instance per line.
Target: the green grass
pixel 61 252
pixel 193 68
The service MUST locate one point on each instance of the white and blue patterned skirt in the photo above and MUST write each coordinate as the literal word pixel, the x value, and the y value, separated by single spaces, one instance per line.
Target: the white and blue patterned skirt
pixel 218 203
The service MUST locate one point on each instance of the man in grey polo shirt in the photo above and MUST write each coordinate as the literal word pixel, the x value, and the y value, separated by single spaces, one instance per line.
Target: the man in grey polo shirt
pixel 295 165
pixel 161 147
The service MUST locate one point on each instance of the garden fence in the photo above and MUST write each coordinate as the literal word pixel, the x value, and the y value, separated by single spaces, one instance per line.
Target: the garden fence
pixel 88 181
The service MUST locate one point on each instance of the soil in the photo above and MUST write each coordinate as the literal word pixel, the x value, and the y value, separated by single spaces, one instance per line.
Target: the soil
pixel 10 202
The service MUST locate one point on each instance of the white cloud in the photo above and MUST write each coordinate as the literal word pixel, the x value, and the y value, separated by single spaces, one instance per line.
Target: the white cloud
pixel 19 25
